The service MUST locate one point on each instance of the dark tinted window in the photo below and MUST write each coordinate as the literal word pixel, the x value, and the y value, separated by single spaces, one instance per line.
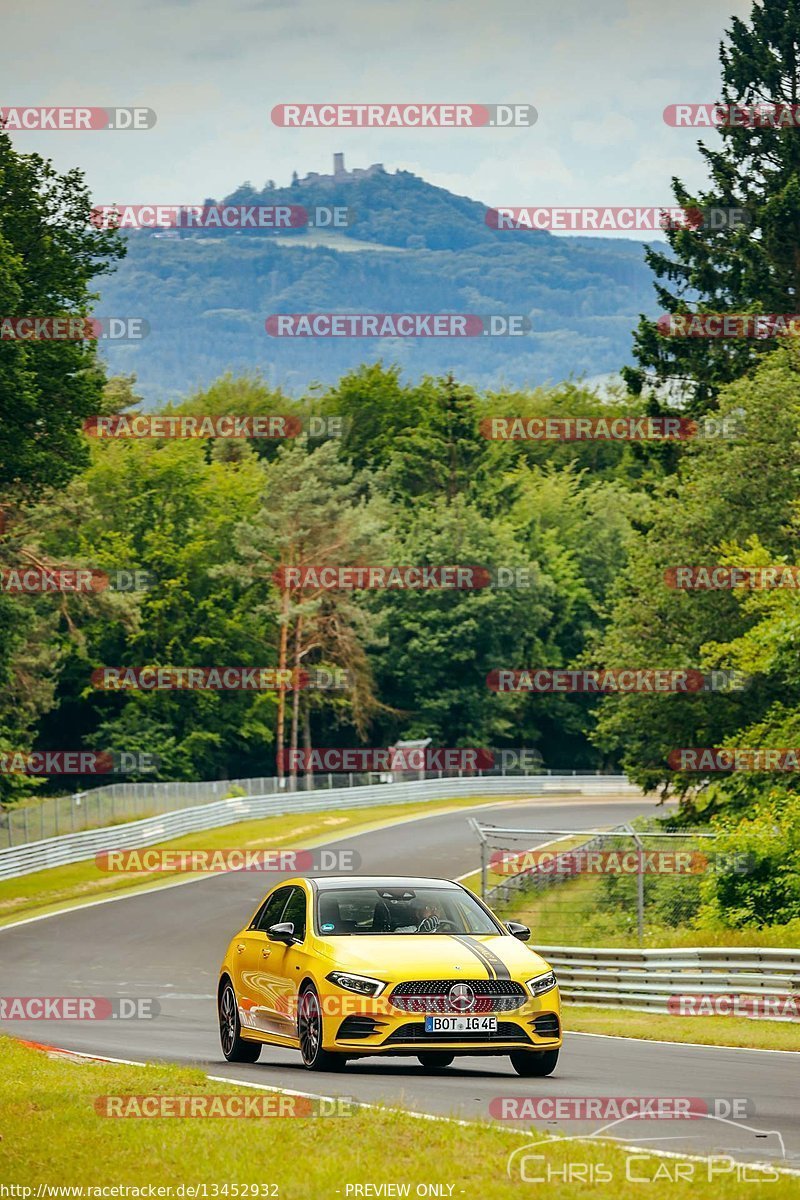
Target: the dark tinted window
pixel 296 912
pixel 427 909
pixel 271 909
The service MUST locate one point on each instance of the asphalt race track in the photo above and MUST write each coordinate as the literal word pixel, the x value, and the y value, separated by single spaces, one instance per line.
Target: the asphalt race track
pixel 168 944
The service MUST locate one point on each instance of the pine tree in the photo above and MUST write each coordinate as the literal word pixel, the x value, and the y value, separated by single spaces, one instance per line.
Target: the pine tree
pixel 742 267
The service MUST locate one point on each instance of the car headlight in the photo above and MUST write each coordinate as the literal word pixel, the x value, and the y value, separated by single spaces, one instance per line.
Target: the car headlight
pixel 365 985
pixel 542 983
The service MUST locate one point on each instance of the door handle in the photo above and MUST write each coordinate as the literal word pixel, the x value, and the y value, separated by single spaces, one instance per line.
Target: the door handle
pixel 240 947
pixel 265 953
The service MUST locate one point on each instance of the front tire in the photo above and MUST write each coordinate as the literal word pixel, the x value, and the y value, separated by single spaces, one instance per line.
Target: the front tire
pixel 532 1062
pixel 234 1047
pixel 309 1032
pixel 433 1060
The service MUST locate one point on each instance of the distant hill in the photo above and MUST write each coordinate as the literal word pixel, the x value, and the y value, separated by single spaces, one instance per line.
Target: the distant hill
pixel 412 247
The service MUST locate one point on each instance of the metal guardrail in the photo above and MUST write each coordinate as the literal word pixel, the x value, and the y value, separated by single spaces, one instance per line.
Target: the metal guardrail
pixel 43 817
pixel 646 979
pixel 75 847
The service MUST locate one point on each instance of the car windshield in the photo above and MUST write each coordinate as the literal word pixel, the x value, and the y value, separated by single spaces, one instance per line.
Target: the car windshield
pixel 365 910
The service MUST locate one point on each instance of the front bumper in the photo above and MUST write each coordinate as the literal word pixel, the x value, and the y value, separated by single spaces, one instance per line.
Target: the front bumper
pixel 377 1027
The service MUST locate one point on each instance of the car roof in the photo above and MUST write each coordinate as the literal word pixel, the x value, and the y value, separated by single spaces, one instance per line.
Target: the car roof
pixel 325 882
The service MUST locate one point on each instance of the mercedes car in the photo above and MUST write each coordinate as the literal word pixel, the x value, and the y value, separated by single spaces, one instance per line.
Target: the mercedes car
pixel 341 967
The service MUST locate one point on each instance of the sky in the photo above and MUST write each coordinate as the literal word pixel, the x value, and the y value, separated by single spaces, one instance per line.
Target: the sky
pixel 599 72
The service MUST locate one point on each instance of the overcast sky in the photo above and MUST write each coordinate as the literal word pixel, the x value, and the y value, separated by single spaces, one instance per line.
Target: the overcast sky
pixel 600 73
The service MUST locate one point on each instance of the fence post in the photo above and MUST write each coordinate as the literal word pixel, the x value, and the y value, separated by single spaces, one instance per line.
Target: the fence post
pixel 639 886
pixel 483 870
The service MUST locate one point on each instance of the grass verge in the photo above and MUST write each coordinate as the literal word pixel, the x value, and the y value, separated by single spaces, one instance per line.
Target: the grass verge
pixel 53 1135
pixel 742 1032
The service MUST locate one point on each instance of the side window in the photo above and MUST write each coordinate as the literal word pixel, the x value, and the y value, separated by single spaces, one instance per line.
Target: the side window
pixel 271 909
pixel 296 912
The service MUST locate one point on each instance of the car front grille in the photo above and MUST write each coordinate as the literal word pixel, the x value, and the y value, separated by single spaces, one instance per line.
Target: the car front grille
pixel 431 996
pixel 414 1031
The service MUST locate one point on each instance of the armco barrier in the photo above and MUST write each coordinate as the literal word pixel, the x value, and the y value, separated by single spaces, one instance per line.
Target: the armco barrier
pixel 111 804
pixel 646 979
pixel 74 847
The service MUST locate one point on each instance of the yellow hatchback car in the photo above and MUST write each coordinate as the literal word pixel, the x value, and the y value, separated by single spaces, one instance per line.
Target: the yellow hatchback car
pixel 345 966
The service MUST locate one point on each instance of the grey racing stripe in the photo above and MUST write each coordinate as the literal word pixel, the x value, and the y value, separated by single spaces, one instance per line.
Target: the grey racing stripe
pixel 493 961
pixel 477 951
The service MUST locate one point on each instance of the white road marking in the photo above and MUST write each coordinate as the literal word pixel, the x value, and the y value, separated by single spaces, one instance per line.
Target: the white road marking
pixel 621 1037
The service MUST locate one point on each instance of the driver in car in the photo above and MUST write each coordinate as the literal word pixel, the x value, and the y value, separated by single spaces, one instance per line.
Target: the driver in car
pixel 426 918
pixel 431 918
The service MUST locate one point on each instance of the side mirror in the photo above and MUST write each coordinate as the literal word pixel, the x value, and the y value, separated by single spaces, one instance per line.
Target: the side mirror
pixel 282 932
pixel 518 930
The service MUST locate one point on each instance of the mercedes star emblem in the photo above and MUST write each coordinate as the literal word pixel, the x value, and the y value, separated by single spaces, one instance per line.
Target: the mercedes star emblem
pixel 461 997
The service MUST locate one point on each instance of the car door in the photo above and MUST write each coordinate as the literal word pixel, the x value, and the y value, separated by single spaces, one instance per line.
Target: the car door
pixel 252 953
pixel 286 965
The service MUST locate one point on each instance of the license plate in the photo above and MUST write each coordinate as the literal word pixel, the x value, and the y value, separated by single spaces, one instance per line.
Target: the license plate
pixel 461 1024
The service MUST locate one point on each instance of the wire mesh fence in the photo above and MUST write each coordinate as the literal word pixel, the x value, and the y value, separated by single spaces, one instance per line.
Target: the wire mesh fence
pixel 630 884
pixel 50 816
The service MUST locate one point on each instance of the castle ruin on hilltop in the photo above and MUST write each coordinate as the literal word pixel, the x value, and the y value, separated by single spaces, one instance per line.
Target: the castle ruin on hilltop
pixel 341 174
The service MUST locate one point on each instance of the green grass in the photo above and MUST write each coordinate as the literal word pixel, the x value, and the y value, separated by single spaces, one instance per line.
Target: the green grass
pixel 46 891
pixel 52 1134
pixel 710 1031
pixel 578 912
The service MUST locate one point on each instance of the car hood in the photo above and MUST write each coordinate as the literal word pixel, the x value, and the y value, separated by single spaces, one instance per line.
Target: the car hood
pixel 434 956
